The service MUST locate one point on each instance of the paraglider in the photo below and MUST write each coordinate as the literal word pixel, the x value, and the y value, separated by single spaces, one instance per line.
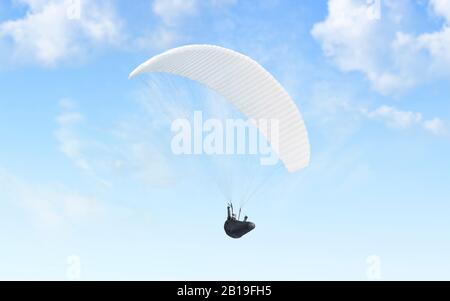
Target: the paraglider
pixel 252 90
pixel 234 227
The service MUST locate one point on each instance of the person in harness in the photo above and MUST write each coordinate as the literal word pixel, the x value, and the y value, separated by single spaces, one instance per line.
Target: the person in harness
pixel 234 227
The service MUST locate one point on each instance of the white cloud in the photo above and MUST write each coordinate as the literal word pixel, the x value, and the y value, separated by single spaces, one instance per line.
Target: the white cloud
pixel 221 3
pixel 399 119
pixel 436 126
pixel 173 14
pixel 160 39
pixel 396 118
pixel 69 142
pixel 391 59
pixel 340 114
pixel 49 32
pixel 441 8
pixel 168 33
pixel 173 11
pixel 438 45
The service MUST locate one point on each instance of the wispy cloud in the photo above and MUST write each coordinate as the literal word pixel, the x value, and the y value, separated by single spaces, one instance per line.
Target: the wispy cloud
pixel 50 206
pixel 130 148
pixel 167 31
pixel 159 39
pixel 395 118
pixel 436 126
pixel 399 119
pixel 342 113
pixel 173 11
pixel 70 144
pixel 172 15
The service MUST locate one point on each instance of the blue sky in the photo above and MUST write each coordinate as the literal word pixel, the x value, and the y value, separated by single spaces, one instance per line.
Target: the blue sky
pixel 86 171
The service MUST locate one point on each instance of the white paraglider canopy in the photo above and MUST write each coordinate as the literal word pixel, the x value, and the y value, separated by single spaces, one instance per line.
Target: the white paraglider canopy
pixel 247 86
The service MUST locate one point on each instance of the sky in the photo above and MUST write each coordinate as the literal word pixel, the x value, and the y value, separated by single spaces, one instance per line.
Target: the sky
pixel 89 189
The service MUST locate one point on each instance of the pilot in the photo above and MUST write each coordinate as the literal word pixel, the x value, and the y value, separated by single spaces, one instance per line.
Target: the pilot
pixel 234 227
